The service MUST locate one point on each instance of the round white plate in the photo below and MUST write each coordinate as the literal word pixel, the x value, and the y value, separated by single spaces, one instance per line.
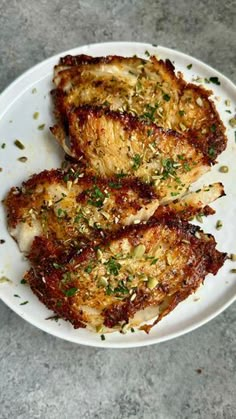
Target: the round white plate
pixel 29 94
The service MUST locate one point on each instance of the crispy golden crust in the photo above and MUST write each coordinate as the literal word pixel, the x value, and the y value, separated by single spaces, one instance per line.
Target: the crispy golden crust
pixel 157 265
pixel 149 89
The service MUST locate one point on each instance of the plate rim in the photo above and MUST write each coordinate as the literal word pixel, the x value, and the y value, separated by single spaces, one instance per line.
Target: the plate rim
pixel 4 97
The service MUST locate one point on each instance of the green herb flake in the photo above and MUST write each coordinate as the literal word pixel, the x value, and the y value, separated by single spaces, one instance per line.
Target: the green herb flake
pixel 57 266
pixel 61 213
pixel 103 337
pixel 136 161
pixel 232 122
pixel 88 268
pixel 181 113
pixel 169 168
pixel 113 266
pixel 174 193
pixel 70 292
pixel 96 196
pixel 34 90
pixel 4 279
pixel 211 152
pixel 115 185
pixel 41 127
pixel 19 144
pixel 214 80
pixel 24 303
pixel 235 136
pixel 3 145
pixel 16 295
pixel 189 66
pixel 186 167
pixel 132 330
pixel 121 288
pixel 213 128
pixel 23 281
pixel 154 261
pixel 36 115
pixel 147 53
pixel 22 159
pixel 121 175
pixel 219 224
pixel 166 97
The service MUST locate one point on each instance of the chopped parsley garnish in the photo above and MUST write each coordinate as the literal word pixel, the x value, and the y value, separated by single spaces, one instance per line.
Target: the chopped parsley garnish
pixel 19 144
pixel 214 80
pixel 121 175
pixel 189 66
pixel 213 128
pixel 169 168
pixel 154 261
pixel 186 167
pixel 181 113
pixel 147 53
pixel 70 292
pixel 113 266
pixel 23 159
pixel 71 175
pixel 61 213
pixel 3 145
pixel 57 266
pixel 96 196
pixel 166 97
pixel 174 193
pixel 150 111
pixel 88 268
pixel 103 337
pixel 235 136
pixel 24 303
pixel 132 330
pixel 115 185
pixel 16 295
pixel 121 288
pixel 23 281
pixel 36 115
pixel 149 132
pixel 136 161
pixel 211 152
pixel 41 127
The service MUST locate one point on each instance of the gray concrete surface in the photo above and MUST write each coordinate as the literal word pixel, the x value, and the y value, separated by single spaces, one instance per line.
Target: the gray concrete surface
pixel 193 377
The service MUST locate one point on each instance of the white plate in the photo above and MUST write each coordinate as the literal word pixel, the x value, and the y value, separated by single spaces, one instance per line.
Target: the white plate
pixel 17 105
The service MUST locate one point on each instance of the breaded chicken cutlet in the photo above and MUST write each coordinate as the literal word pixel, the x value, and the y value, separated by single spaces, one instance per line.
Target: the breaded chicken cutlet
pixel 140 273
pixel 148 89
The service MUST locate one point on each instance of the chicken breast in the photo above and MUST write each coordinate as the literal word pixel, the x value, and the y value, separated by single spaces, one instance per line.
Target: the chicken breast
pixel 149 89
pixel 73 208
pixel 109 144
pixel 142 271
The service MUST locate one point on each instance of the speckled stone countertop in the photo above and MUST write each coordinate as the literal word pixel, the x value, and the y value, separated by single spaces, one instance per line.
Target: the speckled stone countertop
pixel 191 377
